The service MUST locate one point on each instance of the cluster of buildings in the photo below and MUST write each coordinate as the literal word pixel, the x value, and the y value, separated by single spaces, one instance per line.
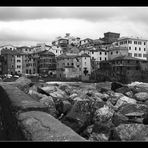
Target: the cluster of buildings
pixel 112 57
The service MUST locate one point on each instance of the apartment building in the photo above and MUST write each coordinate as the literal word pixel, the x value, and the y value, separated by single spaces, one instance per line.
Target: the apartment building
pixel 8 56
pixel 57 50
pixel 19 62
pixel 74 66
pixel 7 47
pixel 125 69
pixel 47 63
pixel 114 52
pixel 137 47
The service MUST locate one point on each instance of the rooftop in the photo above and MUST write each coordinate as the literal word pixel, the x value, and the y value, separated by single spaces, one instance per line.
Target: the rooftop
pixel 125 57
pixel 132 38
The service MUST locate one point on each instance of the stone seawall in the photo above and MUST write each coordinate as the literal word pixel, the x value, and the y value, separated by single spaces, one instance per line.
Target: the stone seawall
pixel 25 119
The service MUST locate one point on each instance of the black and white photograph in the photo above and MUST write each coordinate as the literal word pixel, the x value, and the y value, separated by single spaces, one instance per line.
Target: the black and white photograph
pixel 73 74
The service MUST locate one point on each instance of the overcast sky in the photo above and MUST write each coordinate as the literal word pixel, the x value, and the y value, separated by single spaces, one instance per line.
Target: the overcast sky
pixel 46 23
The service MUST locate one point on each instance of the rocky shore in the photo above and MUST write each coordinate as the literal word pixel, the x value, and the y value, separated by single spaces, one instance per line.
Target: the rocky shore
pixel 95 111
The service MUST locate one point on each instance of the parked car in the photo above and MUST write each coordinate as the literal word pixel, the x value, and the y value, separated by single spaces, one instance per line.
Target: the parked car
pixel 8 75
pixel 16 76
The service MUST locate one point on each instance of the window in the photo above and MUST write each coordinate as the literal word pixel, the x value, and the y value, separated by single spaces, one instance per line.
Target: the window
pixel 139 43
pixel 135 42
pixel 18 56
pixel 111 52
pixel 135 54
pixel 116 52
pixel 139 49
pixel 100 58
pixel 92 52
pixel 72 64
pixel 144 43
pixel 145 55
pixel 100 53
pixel 125 42
pixel 105 59
pixel 144 49
pixel 135 48
pixel 130 54
pixel 130 42
pixel 18 66
pixel 129 48
pixel 139 55
pixel 67 64
pixel 105 53
pixel 18 61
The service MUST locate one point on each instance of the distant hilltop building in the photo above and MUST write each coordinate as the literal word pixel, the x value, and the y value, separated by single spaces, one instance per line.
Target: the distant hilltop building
pixel 110 37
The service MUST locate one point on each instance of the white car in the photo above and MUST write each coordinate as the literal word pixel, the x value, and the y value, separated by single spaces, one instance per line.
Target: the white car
pixel 16 76
pixel 8 76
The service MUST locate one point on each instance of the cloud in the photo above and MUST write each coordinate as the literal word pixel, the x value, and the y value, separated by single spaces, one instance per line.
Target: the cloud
pixel 46 23
pixel 86 13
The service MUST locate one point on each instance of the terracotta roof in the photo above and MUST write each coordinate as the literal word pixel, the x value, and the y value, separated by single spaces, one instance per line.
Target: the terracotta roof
pixel 45 52
pixel 85 55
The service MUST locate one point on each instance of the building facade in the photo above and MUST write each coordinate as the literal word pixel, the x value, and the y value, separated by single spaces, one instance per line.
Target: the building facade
pixel 137 47
pixel 73 66
pixel 8 61
pixel 47 63
pixel 125 69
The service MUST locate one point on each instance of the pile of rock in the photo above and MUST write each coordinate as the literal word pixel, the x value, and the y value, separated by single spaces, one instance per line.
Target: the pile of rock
pixel 114 113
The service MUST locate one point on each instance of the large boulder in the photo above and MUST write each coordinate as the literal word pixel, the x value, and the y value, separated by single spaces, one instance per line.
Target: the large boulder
pixel 41 91
pixel 119 118
pixel 98 137
pixel 103 114
pixel 35 95
pixel 66 106
pixel 138 87
pixel 74 95
pixel 123 90
pixel 133 108
pixel 22 83
pixel 141 96
pixel 48 89
pixel 132 132
pixel 125 100
pixel 116 85
pixel 115 97
pixel 66 88
pixel 40 126
pixel 102 96
pixel 47 100
pixel 101 131
pixel 103 86
pixel 80 115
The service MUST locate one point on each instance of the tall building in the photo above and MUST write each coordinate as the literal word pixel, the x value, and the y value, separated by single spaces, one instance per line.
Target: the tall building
pixel 137 47
pixel 110 37
pixel 47 63
pixel 8 61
